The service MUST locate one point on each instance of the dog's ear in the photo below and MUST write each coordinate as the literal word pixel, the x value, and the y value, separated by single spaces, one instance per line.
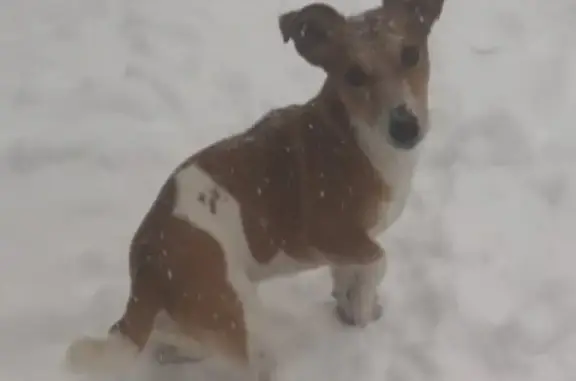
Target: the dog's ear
pixel 317 31
pixel 422 13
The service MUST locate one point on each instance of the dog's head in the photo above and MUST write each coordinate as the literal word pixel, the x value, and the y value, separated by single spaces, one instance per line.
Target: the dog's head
pixel 375 61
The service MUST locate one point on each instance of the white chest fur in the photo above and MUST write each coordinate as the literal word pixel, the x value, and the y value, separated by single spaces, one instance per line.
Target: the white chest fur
pixel 396 168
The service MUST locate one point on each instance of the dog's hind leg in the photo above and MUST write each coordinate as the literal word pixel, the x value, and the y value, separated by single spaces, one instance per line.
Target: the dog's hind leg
pixel 174 347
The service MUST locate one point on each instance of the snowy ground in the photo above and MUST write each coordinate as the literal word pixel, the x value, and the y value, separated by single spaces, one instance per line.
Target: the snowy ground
pixel 100 99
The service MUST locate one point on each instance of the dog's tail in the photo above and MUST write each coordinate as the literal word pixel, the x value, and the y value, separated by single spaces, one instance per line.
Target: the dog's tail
pixel 126 338
pixel 108 355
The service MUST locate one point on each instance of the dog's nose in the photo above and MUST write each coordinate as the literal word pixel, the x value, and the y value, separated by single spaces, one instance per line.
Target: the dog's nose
pixel 404 128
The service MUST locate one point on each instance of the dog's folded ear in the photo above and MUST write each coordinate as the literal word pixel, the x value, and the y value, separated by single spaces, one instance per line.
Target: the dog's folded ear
pixel 287 24
pixel 317 31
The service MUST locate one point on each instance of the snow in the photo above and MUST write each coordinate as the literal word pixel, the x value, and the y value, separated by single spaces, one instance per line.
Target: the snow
pixel 99 100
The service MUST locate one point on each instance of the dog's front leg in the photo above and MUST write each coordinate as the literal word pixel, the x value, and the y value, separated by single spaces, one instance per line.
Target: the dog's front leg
pixel 358 266
pixel 355 288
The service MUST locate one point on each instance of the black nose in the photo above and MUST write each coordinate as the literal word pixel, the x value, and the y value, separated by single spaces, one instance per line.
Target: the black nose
pixel 404 128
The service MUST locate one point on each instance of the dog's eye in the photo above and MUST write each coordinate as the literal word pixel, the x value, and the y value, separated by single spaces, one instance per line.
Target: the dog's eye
pixel 356 76
pixel 409 56
pixel 312 32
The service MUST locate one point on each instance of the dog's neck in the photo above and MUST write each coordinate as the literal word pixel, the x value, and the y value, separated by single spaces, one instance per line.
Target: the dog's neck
pixel 395 166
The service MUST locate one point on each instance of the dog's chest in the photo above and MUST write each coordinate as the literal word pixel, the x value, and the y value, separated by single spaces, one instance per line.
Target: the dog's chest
pixel 395 168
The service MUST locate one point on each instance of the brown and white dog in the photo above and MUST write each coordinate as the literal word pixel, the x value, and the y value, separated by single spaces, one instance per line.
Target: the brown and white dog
pixel 307 186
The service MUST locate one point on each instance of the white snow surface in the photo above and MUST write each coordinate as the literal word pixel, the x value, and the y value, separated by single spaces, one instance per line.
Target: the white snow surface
pixel 99 100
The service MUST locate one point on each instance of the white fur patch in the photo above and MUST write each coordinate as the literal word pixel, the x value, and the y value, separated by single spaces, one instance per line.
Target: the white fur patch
pixel 395 165
pixel 224 224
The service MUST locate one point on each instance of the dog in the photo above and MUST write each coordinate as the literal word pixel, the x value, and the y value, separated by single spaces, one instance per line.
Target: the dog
pixel 305 186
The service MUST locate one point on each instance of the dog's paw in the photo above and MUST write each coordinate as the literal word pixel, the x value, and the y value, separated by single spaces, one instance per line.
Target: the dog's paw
pixel 347 317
